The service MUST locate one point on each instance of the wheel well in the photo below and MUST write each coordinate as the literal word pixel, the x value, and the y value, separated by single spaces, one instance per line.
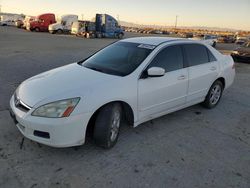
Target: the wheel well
pixel 222 81
pixel 128 116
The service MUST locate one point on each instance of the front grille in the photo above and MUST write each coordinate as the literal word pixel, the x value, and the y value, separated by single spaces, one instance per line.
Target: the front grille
pixel 20 105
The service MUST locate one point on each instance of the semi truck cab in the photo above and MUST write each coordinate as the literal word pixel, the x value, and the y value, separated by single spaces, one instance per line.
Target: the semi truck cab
pixel 41 22
pixel 107 26
pixel 64 26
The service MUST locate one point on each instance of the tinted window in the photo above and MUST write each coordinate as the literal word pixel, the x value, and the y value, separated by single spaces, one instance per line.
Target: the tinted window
pixel 196 54
pixel 120 58
pixel 211 56
pixel 169 58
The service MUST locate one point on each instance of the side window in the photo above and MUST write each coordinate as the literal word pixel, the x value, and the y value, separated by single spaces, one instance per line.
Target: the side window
pixel 196 54
pixel 170 59
pixel 211 56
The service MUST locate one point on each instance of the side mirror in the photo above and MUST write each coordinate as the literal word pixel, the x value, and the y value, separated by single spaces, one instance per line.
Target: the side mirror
pixel 155 72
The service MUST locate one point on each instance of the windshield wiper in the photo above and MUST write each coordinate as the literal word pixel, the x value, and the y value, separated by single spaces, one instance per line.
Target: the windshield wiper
pixel 96 69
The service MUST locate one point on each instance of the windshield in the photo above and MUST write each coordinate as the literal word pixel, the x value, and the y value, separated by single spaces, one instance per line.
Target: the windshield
pixel 120 58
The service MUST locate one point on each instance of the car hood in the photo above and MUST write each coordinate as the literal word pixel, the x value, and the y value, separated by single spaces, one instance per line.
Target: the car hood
pixel 69 81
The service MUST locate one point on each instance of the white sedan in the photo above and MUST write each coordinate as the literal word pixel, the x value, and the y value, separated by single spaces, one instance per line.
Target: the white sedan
pixel 136 79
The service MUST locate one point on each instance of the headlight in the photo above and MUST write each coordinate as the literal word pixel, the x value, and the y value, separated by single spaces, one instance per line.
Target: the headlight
pixel 58 109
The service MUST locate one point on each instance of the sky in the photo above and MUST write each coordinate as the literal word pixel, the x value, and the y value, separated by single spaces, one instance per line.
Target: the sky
pixel 233 14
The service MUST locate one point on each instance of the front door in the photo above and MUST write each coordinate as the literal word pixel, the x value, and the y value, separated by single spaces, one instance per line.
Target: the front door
pixel 157 95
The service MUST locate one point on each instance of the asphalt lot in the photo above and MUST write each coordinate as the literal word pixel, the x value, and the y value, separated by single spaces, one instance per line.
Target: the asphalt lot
pixel 194 147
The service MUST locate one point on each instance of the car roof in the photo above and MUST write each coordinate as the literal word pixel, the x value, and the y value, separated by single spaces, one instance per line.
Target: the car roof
pixel 151 40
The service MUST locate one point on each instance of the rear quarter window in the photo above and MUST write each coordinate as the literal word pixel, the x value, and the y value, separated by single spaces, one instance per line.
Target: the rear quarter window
pixel 211 56
pixel 196 54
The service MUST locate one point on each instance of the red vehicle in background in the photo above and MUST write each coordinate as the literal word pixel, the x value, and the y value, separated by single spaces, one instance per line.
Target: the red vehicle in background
pixel 41 22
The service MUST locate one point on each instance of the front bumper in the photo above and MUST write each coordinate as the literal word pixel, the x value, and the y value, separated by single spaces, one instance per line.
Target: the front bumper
pixel 55 132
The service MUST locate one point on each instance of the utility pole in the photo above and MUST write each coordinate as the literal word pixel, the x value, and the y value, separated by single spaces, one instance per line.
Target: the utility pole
pixel 176 20
pixel 118 18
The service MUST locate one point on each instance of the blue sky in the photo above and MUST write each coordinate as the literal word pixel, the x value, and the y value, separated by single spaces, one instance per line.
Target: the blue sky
pixel 213 13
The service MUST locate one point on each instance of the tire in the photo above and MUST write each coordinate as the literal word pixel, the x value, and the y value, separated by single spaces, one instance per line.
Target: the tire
pixel 214 95
pixel 37 29
pixel 59 31
pixel 98 35
pixel 120 36
pixel 107 125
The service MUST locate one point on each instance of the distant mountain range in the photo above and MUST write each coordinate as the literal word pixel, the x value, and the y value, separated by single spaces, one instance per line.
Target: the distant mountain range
pixel 130 24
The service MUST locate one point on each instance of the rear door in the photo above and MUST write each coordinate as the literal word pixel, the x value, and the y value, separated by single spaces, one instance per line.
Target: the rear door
pixel 203 70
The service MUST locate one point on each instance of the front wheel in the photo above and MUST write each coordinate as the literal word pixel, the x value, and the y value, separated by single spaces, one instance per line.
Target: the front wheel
pixel 107 125
pixel 59 31
pixel 214 95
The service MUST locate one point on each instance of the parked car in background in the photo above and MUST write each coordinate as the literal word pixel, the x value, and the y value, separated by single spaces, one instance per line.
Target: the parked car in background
pixel 242 53
pixel 242 40
pixel 65 24
pixel 207 39
pixel 188 35
pixel 41 22
pixel 166 32
pixel 226 39
pixel 211 40
pixel 136 79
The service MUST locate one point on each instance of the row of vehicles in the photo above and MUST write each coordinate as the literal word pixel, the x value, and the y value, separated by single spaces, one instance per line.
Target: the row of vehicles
pixel 103 26
pixel 229 38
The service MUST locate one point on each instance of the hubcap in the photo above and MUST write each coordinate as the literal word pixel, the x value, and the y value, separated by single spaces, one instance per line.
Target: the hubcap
pixel 215 94
pixel 115 126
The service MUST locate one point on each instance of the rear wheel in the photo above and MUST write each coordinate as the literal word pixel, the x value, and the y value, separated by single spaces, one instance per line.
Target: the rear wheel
pixel 120 36
pixel 214 95
pixel 107 125
pixel 37 29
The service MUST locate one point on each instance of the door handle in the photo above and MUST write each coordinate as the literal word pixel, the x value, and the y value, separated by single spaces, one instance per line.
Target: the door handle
pixel 182 77
pixel 213 68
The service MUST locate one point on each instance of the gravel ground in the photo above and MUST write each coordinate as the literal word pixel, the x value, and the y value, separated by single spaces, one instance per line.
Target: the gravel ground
pixel 194 147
